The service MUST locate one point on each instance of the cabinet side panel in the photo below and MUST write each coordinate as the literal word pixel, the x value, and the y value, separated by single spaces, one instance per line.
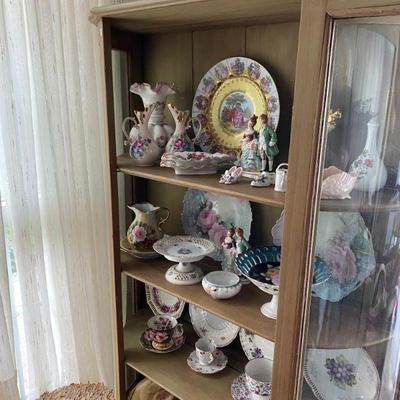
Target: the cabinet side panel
pixel 294 294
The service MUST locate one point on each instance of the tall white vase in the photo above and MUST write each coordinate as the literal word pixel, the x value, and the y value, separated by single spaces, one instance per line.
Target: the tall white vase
pixel 153 95
pixel 371 170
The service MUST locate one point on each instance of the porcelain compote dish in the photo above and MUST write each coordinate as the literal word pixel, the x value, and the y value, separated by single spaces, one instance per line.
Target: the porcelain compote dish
pixel 196 162
pixel 221 284
pixel 184 250
pixel 260 265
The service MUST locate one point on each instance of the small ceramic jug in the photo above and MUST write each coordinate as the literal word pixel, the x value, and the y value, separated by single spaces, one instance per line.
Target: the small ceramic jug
pixel 143 148
pixel 281 177
pixel 179 140
pixel 145 229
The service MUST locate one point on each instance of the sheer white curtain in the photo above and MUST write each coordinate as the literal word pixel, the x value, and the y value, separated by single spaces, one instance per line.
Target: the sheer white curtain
pixel 54 182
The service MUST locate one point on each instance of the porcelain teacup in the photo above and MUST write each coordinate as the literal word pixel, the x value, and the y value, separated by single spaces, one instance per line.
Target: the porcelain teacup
pixel 161 328
pixel 205 351
pixel 259 378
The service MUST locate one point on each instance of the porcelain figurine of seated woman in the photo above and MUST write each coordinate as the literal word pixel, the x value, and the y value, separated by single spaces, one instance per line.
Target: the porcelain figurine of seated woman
pixel 249 157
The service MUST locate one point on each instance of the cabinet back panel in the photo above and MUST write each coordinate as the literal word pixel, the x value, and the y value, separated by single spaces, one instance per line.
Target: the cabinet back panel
pixel 184 57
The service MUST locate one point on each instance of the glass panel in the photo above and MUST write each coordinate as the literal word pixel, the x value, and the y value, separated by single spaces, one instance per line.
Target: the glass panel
pixel 353 347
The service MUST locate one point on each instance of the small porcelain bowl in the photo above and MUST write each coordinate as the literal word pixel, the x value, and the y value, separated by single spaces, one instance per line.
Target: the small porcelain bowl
pixel 221 284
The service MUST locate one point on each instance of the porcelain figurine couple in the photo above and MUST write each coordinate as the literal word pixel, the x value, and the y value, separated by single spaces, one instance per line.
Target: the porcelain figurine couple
pixel 258 147
pixel 233 245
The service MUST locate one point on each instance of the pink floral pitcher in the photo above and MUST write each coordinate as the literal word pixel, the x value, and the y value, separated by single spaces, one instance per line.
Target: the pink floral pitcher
pixel 145 229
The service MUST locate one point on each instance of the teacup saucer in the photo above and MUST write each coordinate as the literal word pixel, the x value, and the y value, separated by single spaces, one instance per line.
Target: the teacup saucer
pixel 217 365
pixel 146 344
pixel 239 390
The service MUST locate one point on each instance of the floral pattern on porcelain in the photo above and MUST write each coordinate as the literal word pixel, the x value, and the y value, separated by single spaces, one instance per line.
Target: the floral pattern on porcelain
pixel 221 71
pixel 201 102
pixel 163 307
pixel 341 372
pixel 237 67
pixel 254 71
pixel 239 389
pixel 257 387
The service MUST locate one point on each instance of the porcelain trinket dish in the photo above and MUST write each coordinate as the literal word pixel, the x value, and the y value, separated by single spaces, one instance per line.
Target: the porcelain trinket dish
pixel 184 250
pixel 221 284
pixel 196 162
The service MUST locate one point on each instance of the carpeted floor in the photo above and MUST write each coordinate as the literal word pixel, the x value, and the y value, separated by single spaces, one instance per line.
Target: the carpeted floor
pixel 94 391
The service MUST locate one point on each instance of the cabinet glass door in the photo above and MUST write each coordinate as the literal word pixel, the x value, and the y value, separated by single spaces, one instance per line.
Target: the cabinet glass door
pixel 353 349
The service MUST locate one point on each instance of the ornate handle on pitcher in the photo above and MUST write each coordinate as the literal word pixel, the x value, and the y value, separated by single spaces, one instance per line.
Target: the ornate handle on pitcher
pixel 163 219
pixel 197 131
pixel 126 134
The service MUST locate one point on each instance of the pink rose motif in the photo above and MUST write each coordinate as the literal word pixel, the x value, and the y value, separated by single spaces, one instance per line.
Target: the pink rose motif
pixel 217 233
pixel 206 219
pixel 139 233
pixel 178 144
pixel 342 262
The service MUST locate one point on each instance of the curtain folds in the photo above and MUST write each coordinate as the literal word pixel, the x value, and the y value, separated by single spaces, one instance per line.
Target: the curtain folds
pixel 54 182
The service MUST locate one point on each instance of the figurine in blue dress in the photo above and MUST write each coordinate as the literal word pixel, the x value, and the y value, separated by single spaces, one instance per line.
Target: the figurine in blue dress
pixel 249 156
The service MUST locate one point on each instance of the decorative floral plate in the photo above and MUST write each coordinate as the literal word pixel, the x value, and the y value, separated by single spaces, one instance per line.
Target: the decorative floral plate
pixel 163 303
pixel 344 244
pixel 219 363
pixel 344 374
pixel 255 346
pixel 209 215
pixel 239 390
pixel 212 327
pixel 227 96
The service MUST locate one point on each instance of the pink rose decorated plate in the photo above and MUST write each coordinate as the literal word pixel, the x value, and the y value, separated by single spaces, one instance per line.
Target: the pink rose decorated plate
pixel 210 215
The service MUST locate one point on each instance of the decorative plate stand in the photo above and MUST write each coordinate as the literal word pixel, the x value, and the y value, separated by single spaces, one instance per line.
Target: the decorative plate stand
pixel 227 96
pixel 184 250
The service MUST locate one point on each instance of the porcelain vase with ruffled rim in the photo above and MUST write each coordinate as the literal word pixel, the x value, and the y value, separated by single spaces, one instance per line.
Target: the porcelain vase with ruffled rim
pixel 153 95
pixel 369 167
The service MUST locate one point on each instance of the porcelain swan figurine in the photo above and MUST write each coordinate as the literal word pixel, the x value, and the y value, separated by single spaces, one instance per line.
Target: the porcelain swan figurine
pixel 179 140
pixel 337 184
pixel 143 148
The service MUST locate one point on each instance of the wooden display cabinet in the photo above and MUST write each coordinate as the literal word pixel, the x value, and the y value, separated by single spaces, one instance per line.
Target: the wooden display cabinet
pixel 178 41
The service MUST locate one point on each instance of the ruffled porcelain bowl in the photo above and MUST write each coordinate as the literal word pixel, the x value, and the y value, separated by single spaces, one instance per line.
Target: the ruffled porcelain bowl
pixel 196 162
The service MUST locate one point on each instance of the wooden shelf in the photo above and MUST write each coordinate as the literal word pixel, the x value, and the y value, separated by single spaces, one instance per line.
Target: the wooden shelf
pixel 343 325
pixel 170 371
pixel 382 201
pixel 242 310
pixel 149 16
pixel 208 183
